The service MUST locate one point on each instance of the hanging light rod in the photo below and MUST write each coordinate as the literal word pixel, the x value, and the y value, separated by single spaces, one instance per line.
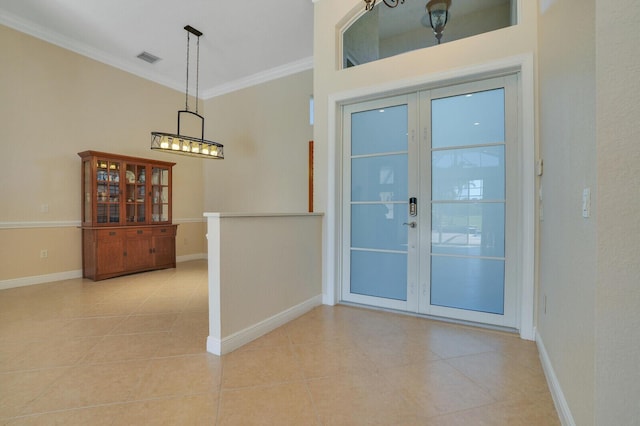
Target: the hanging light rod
pixel 188 145
pixel 193 31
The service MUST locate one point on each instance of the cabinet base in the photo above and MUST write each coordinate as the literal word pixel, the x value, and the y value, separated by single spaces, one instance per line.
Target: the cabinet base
pixel 109 252
pixel 102 277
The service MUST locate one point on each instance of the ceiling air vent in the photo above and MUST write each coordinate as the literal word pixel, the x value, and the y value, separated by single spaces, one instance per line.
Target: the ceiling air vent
pixel 148 57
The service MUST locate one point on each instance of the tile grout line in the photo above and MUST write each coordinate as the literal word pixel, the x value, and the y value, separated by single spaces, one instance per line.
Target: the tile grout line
pixel 305 379
pixel 217 419
pixel 149 361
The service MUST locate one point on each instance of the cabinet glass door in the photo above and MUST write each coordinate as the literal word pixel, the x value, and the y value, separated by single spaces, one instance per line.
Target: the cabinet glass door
pixel 87 199
pixel 136 191
pixel 160 194
pixel 108 192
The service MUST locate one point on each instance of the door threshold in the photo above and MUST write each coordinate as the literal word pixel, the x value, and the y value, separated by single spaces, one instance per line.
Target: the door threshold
pixel 434 318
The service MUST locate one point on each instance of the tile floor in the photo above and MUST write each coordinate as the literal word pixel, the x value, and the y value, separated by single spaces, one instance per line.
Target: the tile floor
pixel 131 351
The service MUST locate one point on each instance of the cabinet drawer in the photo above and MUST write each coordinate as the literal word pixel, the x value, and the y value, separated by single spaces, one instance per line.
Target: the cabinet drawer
pixel 137 233
pixel 109 234
pixel 164 231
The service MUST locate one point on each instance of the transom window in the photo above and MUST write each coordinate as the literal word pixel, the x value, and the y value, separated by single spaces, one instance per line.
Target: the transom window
pixel 384 32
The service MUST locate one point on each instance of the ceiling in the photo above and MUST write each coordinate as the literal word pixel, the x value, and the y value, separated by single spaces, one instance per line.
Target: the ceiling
pixel 244 42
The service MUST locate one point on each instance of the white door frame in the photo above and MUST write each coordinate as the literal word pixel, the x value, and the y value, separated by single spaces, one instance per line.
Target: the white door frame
pixel 521 65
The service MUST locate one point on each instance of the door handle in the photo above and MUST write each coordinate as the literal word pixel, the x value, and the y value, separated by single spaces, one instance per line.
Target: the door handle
pixel 411 224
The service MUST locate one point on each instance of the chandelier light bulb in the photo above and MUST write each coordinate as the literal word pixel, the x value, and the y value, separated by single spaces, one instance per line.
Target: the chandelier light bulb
pixel 188 145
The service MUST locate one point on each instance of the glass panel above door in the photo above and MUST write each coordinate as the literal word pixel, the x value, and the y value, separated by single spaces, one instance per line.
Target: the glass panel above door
pixel 384 32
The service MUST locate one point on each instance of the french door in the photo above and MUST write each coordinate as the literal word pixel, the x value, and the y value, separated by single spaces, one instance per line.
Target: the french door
pixel 429 196
pixel 380 263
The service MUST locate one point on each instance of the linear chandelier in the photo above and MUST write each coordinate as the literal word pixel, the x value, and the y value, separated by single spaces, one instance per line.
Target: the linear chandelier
pixel 438 12
pixel 188 145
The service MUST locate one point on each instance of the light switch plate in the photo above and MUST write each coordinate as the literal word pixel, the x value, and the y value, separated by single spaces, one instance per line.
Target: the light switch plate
pixel 586 202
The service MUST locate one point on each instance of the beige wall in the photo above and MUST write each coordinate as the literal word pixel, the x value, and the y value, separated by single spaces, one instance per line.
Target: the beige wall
pixel 266 132
pixel 268 265
pixel 568 250
pixel 55 104
pixel 264 271
pixel 617 309
pixel 20 251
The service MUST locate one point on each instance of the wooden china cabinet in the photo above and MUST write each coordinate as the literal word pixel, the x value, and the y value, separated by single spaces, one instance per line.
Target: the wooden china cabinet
pixel 126 215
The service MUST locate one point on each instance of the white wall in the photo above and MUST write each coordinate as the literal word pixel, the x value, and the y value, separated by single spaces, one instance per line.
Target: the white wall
pixel 568 247
pixel 617 332
pixel 589 268
pixel 264 270
pixel 265 130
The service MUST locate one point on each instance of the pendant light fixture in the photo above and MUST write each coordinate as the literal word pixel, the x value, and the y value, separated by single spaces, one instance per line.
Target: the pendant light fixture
pixel 438 12
pixel 438 16
pixel 188 145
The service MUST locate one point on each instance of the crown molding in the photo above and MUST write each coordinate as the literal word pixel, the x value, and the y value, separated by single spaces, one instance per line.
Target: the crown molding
pixel 39 32
pixel 82 49
pixel 261 77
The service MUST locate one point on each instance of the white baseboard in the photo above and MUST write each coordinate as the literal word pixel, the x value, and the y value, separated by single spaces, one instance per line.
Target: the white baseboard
pixel 40 279
pixel 214 346
pixel 230 343
pixel 326 300
pixel 67 275
pixel 188 257
pixel 562 407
